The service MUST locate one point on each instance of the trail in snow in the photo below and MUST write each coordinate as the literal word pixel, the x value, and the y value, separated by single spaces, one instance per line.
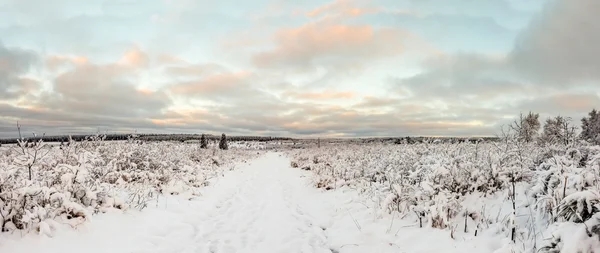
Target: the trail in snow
pixel 265 206
pixel 253 210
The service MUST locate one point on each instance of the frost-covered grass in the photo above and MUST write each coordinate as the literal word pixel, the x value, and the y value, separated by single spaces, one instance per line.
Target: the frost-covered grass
pixel 534 198
pixel 44 186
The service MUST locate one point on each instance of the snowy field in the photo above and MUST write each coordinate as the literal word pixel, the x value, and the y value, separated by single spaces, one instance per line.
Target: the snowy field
pixel 505 196
pixel 498 197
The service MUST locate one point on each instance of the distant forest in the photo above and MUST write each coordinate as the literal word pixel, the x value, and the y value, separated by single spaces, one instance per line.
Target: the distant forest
pixel 144 137
pixel 196 137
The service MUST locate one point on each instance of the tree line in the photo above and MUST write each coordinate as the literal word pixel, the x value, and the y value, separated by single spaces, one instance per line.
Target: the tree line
pixel 143 137
pixel 558 129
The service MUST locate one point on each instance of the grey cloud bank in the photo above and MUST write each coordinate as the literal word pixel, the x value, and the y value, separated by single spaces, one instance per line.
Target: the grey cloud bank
pixel 330 74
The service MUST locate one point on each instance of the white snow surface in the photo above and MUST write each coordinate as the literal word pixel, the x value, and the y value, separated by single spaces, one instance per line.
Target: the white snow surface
pixel 263 206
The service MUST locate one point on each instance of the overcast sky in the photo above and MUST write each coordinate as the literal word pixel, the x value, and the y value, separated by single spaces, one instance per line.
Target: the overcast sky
pixel 294 68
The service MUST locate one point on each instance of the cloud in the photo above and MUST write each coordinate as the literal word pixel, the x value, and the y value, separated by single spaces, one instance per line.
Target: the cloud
pixel 323 44
pixel 568 104
pixel 182 70
pixel 108 90
pixel 561 46
pixel 371 102
pixel 472 77
pixel 135 58
pixel 300 119
pixel 547 71
pixel 220 86
pixel 165 59
pixel 336 120
pixel 326 95
pixel 85 93
pixel 342 7
pixel 475 34
pixel 55 122
pixel 187 118
pixel 54 62
pixel 343 67
pixel 14 64
pixel 508 13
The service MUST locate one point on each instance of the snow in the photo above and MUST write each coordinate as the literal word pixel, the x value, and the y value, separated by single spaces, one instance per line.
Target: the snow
pixel 261 206
pixel 466 190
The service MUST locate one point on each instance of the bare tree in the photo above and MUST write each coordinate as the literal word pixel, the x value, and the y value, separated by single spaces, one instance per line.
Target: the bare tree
pixel 31 153
pixel 527 127
pixel 590 127
pixel 19 129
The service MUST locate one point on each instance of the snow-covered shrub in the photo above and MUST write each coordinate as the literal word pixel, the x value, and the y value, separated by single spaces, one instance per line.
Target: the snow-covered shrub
pixel 70 182
pixel 579 206
pixel 523 191
pixel 575 237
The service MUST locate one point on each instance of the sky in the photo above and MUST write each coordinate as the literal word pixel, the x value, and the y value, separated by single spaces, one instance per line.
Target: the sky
pixel 341 68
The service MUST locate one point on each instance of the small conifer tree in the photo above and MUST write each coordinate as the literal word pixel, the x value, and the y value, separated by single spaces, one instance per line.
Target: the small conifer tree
pixel 203 142
pixel 590 127
pixel 223 142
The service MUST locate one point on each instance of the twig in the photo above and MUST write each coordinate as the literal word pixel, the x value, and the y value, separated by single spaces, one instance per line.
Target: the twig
pixel 355 221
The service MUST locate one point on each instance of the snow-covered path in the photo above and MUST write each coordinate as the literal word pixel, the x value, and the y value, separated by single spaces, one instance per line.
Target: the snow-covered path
pixel 264 206
pixel 250 210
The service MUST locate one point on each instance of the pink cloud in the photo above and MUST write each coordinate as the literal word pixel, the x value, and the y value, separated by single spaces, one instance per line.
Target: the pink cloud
pixel 219 83
pixel 56 61
pixel 376 102
pixel 101 89
pixel 195 70
pixel 183 118
pixel 319 95
pixel 322 43
pixel 135 58
pixel 164 59
pixel 576 102
pixel 342 7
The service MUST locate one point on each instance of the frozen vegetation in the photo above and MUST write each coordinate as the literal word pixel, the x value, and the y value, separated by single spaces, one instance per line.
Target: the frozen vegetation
pixel 522 192
pixel 44 186
pixel 533 198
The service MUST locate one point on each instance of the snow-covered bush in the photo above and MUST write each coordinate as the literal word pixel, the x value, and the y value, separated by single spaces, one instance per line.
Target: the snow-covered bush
pixel 45 185
pixel 523 191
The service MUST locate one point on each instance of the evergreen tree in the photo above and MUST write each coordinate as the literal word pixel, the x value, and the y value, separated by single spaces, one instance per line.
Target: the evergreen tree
pixel 223 142
pixel 590 127
pixel 203 142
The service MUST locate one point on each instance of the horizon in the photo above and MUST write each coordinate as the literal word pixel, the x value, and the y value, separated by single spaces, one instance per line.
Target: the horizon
pixel 260 136
pixel 316 69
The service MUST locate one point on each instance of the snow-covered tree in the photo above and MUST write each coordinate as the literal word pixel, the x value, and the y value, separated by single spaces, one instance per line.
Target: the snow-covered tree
pixel 203 142
pixel 527 127
pixel 590 127
pixel 558 130
pixel 223 143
